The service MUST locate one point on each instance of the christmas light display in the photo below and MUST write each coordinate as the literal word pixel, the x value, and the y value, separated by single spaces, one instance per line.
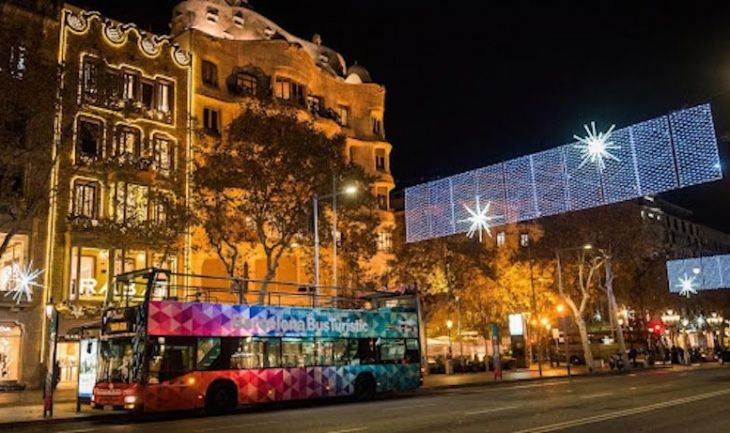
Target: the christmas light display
pixel 23 282
pixel 478 218
pixel 689 276
pixel 658 155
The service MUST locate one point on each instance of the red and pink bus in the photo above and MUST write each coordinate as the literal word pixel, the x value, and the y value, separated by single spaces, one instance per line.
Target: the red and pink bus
pixel 172 347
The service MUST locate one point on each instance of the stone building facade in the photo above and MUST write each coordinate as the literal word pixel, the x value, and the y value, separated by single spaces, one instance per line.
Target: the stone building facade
pixel 238 55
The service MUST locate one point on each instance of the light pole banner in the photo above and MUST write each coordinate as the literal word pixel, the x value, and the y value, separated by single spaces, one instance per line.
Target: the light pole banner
pixel 658 155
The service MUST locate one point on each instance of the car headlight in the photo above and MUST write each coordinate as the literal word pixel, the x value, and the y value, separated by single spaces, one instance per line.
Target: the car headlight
pixel 130 399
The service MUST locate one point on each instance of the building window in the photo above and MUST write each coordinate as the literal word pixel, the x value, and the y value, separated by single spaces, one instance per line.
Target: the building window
pixel 524 240
pixel 85 199
pixel 246 84
pixel 500 239
pixel 210 74
pixel 88 140
pixel 130 202
pixel 148 93
pixel 380 159
pixel 10 354
pixel 128 141
pixel 288 90
pixel 14 255
pixel 382 197
pixel 211 121
pixel 164 154
pixel 344 112
pixel 385 241
pixel 163 97
pixel 130 83
pixel 315 104
pixel 90 76
pixel 212 14
pixel 89 274
pixel 377 125
pixel 238 19
pixel 18 61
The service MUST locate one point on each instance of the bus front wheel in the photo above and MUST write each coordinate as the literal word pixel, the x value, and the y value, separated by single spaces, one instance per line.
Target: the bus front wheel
pixel 221 397
pixel 364 387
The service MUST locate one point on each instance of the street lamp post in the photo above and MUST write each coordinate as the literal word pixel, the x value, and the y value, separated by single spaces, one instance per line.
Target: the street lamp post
pixel 458 327
pixel 349 190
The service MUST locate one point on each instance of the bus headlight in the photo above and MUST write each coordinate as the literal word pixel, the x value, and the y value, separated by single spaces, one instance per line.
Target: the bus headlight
pixel 130 399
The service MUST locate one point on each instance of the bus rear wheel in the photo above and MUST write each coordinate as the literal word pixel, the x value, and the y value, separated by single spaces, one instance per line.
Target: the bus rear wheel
pixel 221 397
pixel 364 387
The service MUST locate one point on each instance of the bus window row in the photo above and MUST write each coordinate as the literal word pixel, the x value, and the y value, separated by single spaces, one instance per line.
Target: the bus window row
pixel 173 356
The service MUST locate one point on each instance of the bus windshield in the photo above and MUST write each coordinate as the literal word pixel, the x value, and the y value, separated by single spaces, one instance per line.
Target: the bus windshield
pixel 116 360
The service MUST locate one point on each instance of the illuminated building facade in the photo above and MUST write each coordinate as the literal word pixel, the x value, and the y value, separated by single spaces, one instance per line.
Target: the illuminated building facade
pixel 238 55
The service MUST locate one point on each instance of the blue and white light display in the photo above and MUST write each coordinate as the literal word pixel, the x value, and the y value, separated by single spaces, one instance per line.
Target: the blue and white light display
pixel 687 277
pixel 658 155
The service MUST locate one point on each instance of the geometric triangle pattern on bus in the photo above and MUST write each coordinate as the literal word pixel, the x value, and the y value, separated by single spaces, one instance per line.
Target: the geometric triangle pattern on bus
pixel 279 384
pixel 654 156
pixel 221 320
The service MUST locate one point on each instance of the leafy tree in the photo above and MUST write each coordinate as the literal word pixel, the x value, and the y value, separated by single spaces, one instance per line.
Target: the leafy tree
pixel 255 185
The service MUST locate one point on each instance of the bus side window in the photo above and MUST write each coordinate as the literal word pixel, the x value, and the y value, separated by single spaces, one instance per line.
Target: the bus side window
pixel 209 352
pixel 178 357
pixel 341 352
pixel 413 354
pixel 366 352
pixel 391 350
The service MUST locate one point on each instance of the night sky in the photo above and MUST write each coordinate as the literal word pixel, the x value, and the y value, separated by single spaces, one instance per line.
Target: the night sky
pixel 469 86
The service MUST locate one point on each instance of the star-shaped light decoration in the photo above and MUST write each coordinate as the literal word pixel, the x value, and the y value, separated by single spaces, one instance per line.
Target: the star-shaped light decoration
pixel 687 286
pixel 595 147
pixel 479 219
pixel 23 282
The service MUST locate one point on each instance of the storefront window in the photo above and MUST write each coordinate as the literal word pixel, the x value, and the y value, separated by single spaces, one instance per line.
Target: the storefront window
pixel 89 274
pixel 14 256
pixel 9 351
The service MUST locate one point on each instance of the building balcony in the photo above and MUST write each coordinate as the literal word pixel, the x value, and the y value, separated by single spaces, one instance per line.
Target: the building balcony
pixel 129 108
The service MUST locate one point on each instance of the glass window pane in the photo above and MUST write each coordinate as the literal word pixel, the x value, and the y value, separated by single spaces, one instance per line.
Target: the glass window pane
pixel 209 349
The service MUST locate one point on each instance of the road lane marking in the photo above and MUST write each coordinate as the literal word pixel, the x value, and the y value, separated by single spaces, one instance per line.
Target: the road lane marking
pixel 78 430
pixel 239 426
pixel 536 385
pixel 414 406
pixel 490 410
pixel 622 413
pixel 600 394
pixel 349 430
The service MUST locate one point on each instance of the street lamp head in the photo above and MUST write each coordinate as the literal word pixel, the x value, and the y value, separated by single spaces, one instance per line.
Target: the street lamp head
pixel 696 270
pixel 350 189
pixel 587 247
pixel 544 321
pixel 449 324
pixel 560 308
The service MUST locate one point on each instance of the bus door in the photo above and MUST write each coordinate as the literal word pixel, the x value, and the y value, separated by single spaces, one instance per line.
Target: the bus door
pixel 171 381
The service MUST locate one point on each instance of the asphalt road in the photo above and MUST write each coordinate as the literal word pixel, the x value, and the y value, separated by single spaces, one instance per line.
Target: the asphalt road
pixel 658 401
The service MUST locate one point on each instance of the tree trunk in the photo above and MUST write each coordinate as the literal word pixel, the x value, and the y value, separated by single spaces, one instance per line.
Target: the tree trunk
pixel 587 353
pixel 613 307
pixel 270 274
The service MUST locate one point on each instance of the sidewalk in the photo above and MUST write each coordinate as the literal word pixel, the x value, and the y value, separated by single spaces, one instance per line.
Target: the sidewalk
pixel 481 378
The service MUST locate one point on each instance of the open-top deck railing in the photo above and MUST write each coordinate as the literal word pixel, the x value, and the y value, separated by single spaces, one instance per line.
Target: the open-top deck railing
pixel 160 284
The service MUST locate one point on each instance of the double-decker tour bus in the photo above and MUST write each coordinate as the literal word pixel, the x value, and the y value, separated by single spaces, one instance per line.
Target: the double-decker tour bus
pixel 166 346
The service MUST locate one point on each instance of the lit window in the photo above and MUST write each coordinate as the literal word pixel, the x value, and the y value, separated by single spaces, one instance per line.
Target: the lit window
pixel 90 77
pixel 148 92
pixel 238 19
pixel 315 104
pixel 18 60
pixel 85 199
pixel 130 202
pixel 385 241
pixel 89 274
pixel 212 14
pixel 163 149
pixel 344 112
pixel 14 255
pixel 88 140
pixel 380 159
pixel 377 125
pixel 210 74
pixel 127 141
pixel 500 239
pixel 164 97
pixel 130 81
pixel 246 84
pixel 288 90
pixel 524 239
pixel 382 197
pixel 211 121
